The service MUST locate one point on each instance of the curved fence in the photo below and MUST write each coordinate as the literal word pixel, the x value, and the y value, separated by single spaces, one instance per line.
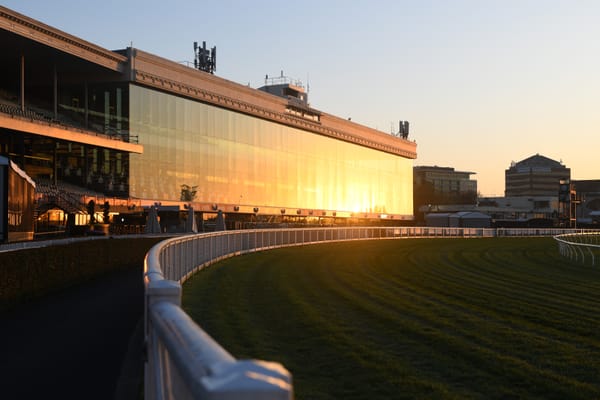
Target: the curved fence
pixel 580 246
pixel 183 361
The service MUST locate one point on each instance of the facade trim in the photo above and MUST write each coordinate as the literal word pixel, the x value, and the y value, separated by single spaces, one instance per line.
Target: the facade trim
pixel 244 107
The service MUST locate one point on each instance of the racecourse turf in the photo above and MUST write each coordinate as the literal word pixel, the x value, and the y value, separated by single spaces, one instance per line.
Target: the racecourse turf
pixel 493 318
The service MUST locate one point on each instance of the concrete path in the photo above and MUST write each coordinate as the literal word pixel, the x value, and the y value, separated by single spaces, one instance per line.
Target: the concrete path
pixel 82 343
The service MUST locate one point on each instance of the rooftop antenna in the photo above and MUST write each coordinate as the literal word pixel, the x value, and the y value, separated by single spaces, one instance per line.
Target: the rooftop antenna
pixel 205 59
pixel 403 130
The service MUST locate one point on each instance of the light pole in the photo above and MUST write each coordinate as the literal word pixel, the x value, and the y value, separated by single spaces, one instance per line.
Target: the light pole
pixel 575 202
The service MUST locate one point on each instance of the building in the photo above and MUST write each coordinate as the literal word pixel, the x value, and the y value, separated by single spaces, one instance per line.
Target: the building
pixel 133 125
pixel 436 186
pixel 587 201
pixel 521 211
pixel 445 185
pixel 535 176
pixel 17 199
pixel 462 219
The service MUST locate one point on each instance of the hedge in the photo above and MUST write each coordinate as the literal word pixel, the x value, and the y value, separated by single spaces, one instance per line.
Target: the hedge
pixel 32 273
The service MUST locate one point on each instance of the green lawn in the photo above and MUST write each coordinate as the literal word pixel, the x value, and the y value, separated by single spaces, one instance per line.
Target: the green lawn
pixel 416 318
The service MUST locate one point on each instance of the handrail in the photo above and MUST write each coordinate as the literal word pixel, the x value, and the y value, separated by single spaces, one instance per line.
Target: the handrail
pixel 184 362
pixel 575 245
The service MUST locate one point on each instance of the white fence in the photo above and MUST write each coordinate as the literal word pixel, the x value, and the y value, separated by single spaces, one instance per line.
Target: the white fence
pixel 183 361
pixel 580 246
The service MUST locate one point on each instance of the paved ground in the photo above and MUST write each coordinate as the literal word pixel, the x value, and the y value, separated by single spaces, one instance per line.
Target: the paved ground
pixel 81 343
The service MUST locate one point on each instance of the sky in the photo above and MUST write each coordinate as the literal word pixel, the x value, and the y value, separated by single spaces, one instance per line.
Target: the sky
pixel 482 82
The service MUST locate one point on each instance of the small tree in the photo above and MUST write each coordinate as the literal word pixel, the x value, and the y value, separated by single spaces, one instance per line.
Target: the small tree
pixel 188 193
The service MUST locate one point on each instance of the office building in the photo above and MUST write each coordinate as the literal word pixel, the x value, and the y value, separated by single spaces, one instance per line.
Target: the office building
pixel 586 209
pixel 535 176
pixel 443 185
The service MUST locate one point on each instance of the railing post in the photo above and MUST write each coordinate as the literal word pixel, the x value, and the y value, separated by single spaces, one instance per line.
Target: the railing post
pixel 163 290
pixel 157 291
pixel 250 379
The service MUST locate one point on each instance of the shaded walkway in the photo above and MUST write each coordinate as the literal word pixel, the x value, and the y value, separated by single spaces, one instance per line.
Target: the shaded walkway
pixel 73 344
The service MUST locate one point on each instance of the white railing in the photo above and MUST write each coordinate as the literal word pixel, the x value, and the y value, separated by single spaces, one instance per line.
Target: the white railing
pixel 183 361
pixel 579 246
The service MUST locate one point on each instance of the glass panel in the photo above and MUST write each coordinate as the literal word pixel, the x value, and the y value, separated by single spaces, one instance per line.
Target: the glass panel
pixel 238 159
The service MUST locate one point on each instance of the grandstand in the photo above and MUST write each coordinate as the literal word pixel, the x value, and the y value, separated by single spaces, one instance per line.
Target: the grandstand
pixel 132 126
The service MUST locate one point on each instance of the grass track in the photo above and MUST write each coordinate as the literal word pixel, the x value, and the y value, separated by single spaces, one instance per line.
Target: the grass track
pixel 494 318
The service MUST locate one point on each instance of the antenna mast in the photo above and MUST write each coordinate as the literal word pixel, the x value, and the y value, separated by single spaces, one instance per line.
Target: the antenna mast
pixel 205 59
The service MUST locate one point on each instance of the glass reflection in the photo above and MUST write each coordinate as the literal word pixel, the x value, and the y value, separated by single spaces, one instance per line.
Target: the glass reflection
pixel 229 156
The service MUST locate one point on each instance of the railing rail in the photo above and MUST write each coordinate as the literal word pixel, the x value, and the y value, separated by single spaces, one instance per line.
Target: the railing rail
pixel 184 362
pixel 580 246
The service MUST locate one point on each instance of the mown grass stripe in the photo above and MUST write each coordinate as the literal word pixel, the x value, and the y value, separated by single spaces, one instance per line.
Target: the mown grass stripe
pixel 439 318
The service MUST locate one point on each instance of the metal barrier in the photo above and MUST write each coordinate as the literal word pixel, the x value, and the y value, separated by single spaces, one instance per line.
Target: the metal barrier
pixel 184 362
pixel 579 246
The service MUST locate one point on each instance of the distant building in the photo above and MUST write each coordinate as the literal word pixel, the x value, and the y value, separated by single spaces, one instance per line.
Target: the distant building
pixel 531 198
pixel 587 193
pixel 462 219
pixel 520 211
pixel 446 184
pixel 535 176
pixel 435 186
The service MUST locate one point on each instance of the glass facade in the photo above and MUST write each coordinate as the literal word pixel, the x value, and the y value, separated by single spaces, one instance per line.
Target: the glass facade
pixel 234 158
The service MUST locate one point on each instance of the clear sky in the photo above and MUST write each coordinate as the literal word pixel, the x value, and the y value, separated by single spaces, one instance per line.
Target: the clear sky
pixel 483 83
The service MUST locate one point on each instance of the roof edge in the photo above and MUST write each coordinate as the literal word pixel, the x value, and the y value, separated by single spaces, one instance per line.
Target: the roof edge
pixel 32 29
